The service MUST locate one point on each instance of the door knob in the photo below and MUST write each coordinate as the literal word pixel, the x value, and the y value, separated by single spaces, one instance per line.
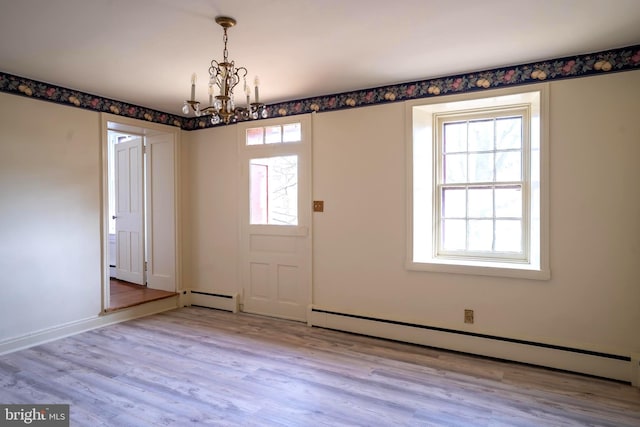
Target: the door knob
pixel 114 217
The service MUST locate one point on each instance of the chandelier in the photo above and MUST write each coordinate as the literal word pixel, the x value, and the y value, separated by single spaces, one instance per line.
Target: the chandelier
pixel 223 78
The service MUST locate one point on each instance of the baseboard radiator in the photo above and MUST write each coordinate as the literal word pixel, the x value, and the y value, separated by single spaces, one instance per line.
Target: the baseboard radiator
pixel 606 365
pixel 213 300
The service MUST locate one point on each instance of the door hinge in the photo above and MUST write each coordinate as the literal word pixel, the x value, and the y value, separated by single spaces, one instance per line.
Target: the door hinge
pixel 145 266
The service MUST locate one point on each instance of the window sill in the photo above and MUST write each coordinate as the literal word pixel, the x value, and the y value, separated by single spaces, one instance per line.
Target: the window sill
pixel 476 268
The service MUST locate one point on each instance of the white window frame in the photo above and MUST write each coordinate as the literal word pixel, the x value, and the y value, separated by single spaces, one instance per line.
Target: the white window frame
pixel 440 119
pixel 422 158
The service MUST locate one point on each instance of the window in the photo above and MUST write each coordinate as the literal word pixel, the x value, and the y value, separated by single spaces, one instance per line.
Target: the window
pixel 273 190
pixel 477 202
pixel 277 134
pixel 273 177
pixel 481 184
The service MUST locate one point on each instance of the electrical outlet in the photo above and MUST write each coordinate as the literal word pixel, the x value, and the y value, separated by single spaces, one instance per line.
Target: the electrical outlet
pixel 468 316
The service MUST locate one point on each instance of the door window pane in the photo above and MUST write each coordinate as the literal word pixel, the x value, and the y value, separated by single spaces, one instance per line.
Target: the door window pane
pixel 259 193
pixel 292 132
pixel 273 193
pixel 273 135
pixel 255 136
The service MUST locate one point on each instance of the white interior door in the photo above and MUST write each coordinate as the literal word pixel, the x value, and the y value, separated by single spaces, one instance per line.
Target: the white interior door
pixel 275 205
pixel 161 212
pixel 129 210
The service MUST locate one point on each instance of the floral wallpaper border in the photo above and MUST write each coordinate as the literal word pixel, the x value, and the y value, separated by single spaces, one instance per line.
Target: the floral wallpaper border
pixel 60 95
pixel 622 59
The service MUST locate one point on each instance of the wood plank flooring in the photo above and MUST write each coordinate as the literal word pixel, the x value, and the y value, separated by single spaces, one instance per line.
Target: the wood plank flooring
pixel 124 294
pixel 195 366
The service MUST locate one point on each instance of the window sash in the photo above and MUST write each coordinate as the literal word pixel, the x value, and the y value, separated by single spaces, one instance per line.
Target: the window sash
pixel 483 224
pixel 497 221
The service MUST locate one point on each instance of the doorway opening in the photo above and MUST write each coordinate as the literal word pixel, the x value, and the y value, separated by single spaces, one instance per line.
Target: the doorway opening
pixel 140 214
pixel 127 223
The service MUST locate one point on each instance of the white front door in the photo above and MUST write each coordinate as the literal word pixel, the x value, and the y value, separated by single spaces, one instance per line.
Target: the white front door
pixel 129 210
pixel 275 206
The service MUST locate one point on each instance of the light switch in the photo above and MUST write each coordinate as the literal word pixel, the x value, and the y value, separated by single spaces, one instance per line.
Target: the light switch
pixel 318 206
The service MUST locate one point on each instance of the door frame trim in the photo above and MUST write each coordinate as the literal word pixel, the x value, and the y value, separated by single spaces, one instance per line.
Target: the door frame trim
pixel 113 122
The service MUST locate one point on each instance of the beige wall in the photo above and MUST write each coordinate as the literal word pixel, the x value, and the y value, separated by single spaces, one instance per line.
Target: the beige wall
pixel 50 221
pixel 592 300
pixel 49 215
pixel 210 228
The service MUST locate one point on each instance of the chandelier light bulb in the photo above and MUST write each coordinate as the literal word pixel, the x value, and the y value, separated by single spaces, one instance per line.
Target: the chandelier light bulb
pixel 185 108
pixel 256 83
pixel 194 77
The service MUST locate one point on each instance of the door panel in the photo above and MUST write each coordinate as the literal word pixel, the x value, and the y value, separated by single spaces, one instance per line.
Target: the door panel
pixel 259 281
pixel 277 284
pixel 287 281
pixel 129 211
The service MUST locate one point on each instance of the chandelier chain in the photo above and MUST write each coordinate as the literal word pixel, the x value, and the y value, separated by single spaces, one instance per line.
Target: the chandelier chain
pixel 225 52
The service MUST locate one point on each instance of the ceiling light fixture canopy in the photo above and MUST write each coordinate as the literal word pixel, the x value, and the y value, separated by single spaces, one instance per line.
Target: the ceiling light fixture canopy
pixel 223 78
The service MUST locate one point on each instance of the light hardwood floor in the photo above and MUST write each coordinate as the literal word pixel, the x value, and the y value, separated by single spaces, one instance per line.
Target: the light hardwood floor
pixel 124 294
pixel 195 366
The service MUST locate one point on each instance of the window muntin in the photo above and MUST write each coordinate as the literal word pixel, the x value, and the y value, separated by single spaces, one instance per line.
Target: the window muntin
pixel 481 184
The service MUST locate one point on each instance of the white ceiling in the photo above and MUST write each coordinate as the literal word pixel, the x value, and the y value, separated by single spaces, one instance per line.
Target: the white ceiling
pixel 144 51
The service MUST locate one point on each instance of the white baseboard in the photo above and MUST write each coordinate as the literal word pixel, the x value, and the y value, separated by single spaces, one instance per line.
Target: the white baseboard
pixel 72 328
pixel 613 366
pixel 227 302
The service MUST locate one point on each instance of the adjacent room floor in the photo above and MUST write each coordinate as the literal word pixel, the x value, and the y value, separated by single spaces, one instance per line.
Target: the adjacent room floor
pixel 124 294
pixel 199 366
